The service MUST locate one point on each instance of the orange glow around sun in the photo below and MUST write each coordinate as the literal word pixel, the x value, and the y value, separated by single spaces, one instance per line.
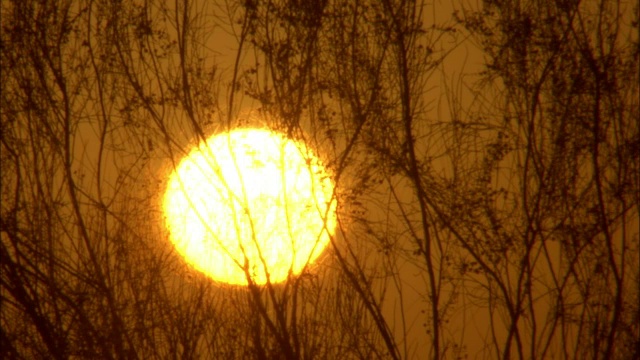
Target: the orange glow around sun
pixel 250 202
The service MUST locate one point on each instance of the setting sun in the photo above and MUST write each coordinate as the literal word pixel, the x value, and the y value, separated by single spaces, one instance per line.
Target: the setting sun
pixel 250 202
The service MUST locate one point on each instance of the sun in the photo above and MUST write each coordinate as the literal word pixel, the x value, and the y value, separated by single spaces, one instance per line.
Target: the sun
pixel 250 203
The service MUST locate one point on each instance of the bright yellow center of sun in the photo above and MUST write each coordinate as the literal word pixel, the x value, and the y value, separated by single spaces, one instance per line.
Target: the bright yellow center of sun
pixel 250 203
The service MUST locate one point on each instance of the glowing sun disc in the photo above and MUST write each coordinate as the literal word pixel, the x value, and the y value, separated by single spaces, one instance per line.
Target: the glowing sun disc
pixel 250 202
